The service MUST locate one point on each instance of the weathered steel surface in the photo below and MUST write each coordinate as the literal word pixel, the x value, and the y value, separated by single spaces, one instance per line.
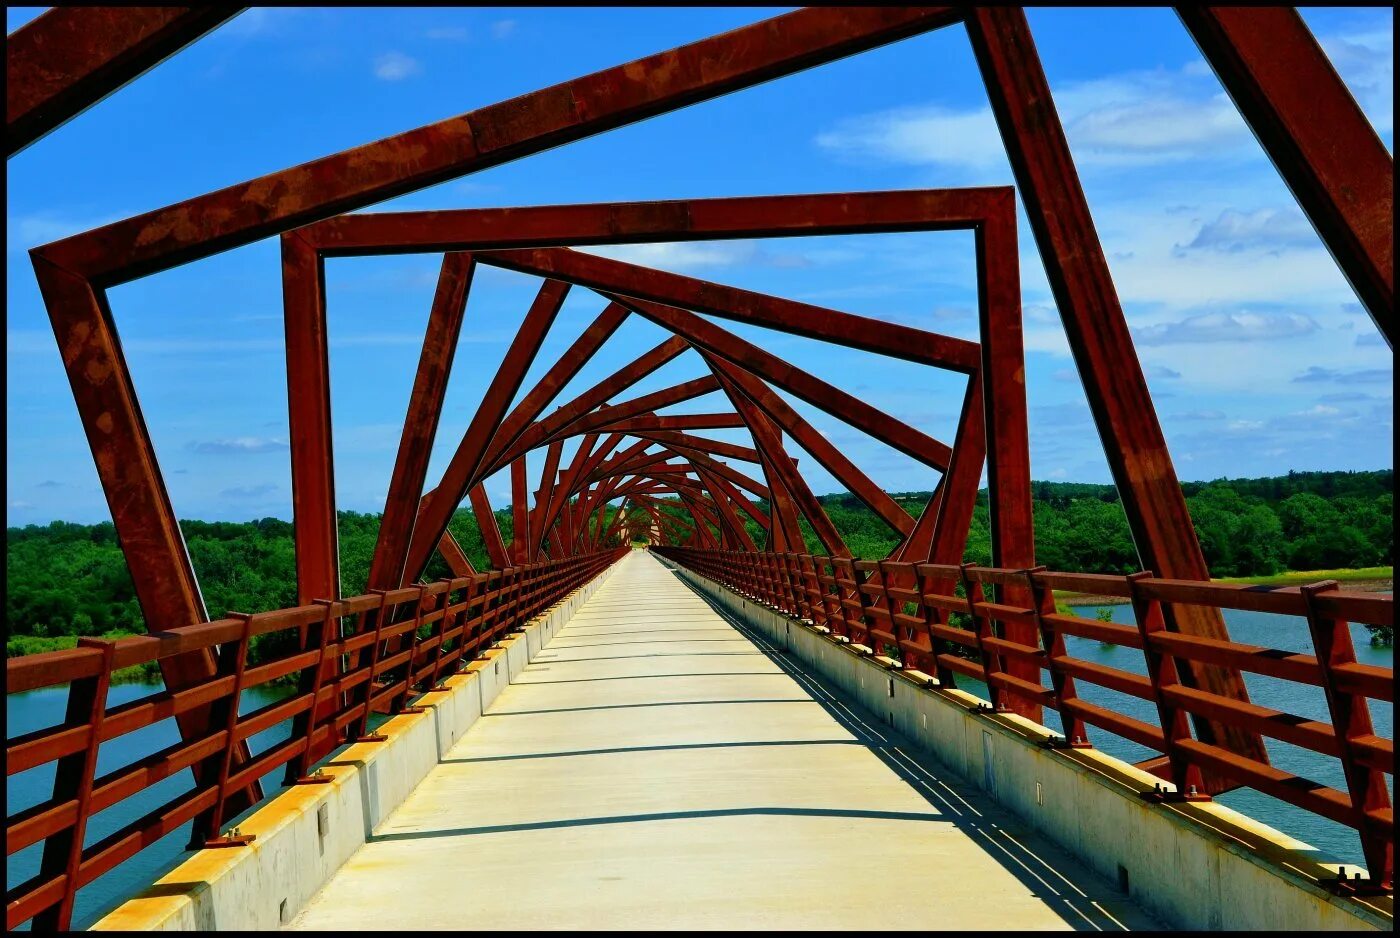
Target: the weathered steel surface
pixel 420 425
pixel 69 58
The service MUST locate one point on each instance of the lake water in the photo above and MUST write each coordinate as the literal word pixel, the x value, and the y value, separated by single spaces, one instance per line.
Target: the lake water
pixel 32 711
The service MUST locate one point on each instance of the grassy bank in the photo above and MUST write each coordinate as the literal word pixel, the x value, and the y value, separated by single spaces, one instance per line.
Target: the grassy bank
pixel 1366 579
pixel 17 645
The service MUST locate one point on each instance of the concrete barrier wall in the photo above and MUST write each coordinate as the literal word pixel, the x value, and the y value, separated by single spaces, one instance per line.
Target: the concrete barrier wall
pixel 306 832
pixel 1197 866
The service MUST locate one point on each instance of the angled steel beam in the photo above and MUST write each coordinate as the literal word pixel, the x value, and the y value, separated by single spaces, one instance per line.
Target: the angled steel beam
pixel 543 430
pixel 458 477
pixel 489 136
pixel 821 449
pixel 69 58
pixel 452 554
pixel 520 512
pixel 769 442
pixel 814 391
pixel 646 422
pixel 1098 334
pixel 758 309
pixel 1317 136
pixel 554 380
pixel 490 530
pixel 421 423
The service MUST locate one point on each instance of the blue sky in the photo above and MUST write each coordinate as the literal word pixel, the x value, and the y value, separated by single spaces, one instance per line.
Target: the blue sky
pixel 1258 356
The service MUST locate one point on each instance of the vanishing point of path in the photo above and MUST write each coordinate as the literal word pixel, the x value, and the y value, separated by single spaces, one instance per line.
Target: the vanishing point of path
pixel 655 767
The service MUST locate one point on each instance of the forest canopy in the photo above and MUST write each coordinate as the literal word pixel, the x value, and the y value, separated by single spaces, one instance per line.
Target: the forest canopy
pixel 71 579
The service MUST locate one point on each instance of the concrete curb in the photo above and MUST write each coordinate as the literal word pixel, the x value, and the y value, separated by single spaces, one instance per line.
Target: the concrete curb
pixel 1197 866
pixel 306 832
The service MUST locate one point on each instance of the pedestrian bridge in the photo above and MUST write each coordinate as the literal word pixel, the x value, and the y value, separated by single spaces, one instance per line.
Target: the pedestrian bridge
pixel 620 741
pixel 658 765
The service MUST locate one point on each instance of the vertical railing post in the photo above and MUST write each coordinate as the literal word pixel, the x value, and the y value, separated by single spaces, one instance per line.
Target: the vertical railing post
pixel 73 781
pixel 1053 641
pixel 232 659
pixel 298 771
pixel 1176 722
pixel 435 682
pixel 362 731
pixel 934 615
pixel 982 630
pixel 408 682
pixel 1351 721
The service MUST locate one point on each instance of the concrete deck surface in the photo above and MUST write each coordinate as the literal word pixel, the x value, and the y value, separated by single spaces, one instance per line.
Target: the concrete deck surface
pixel 655 769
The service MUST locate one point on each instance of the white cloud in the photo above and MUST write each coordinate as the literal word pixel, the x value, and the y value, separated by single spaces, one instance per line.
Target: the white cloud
pixel 1240 326
pixel 238 446
pixel 503 29
pixel 1270 230
pixel 675 255
pixel 1131 119
pixel 395 66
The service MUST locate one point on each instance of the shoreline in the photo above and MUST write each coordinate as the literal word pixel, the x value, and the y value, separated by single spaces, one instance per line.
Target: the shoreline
pixel 1365 583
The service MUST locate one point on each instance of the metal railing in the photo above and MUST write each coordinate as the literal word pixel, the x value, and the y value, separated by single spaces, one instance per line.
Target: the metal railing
pixel 903 611
pixel 349 657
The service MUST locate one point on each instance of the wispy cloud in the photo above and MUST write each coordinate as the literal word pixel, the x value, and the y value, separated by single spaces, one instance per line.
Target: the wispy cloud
pixel 242 445
pixel 1268 230
pixel 503 29
pixel 396 66
pixel 1130 119
pixel 1227 327
pixel 1316 373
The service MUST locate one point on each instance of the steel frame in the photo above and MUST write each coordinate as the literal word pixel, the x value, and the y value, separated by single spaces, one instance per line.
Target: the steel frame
pixel 1268 63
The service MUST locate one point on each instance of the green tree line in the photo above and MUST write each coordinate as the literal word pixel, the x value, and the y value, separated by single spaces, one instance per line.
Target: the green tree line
pixel 65 580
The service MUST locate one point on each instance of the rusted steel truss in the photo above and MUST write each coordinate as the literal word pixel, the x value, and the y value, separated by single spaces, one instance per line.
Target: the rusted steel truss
pixel 637 472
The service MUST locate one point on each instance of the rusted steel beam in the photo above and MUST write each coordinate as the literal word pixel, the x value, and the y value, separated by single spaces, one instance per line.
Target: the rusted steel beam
pixel 490 531
pixel 421 422
pixel 554 380
pixel 720 496
pixel 814 391
pixel 546 429
pixel 498 133
pixel 1097 331
pixel 152 544
pixel 713 447
pixel 763 216
pixel 568 478
pixel 69 58
pixel 638 406
pixel 1317 136
pixel 940 534
pixel 701 457
pixel 646 422
pixel 807 437
pixel 315 527
pixel 520 512
pixel 769 442
pixel 458 477
pixel 726 302
pixel 309 422
pixel 1005 425
pixel 452 554
pixel 547 488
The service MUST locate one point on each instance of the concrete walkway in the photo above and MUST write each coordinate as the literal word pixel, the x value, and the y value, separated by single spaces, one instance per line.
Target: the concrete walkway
pixel 655 768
